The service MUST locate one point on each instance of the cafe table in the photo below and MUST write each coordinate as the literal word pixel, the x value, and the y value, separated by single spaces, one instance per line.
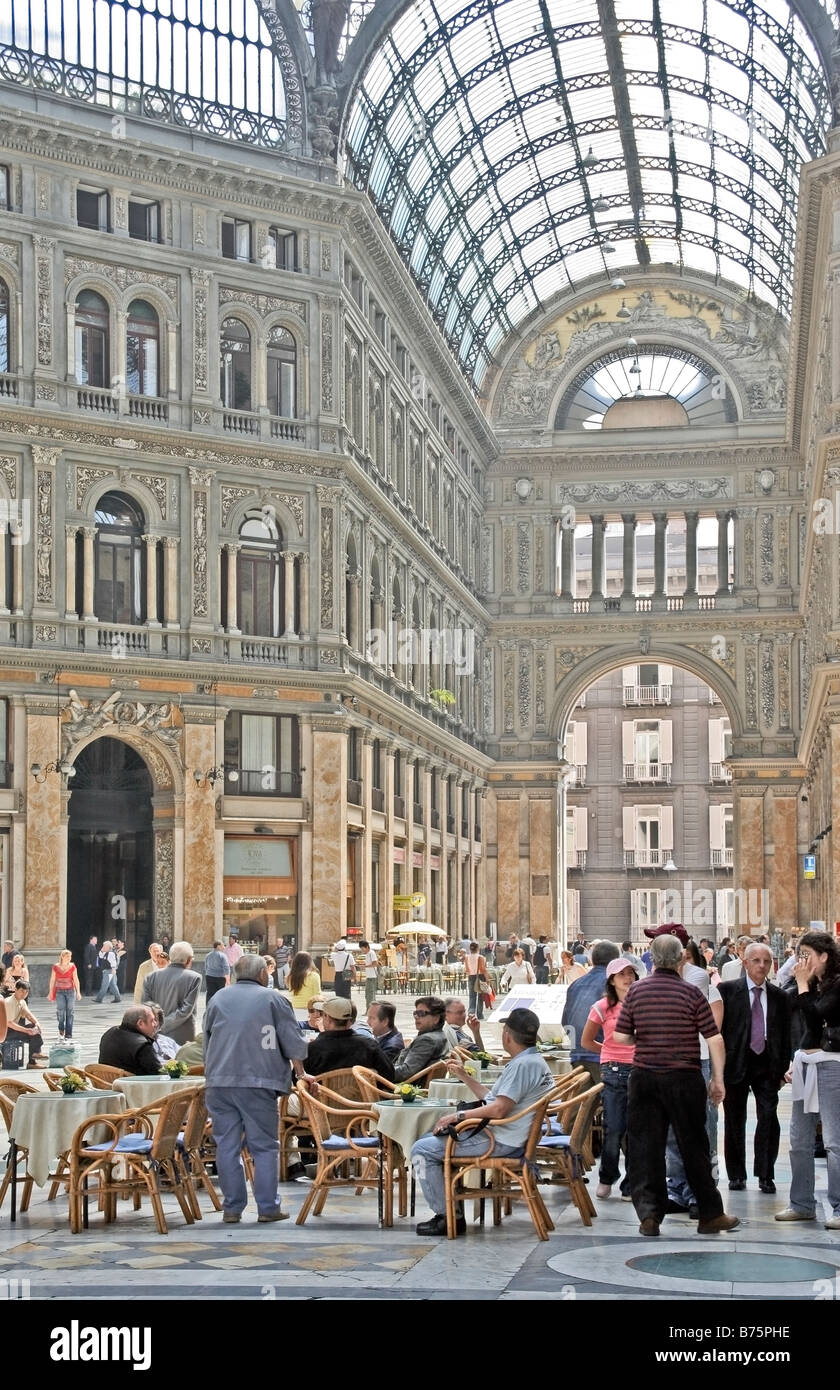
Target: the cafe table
pixel 403 1124
pixel 45 1125
pixel 148 1090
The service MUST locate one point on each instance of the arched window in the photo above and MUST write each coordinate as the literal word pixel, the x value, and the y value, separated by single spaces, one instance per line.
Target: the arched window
pixel 261 577
pixel 398 453
pixel 376 426
pixel 417 654
pixel 353 395
pixel 282 374
pixel 4 327
pixel 352 581
pixel 235 365
pixel 142 349
pixel 92 353
pixel 119 561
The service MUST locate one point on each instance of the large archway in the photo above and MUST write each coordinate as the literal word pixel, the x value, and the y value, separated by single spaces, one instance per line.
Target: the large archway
pixel 110 855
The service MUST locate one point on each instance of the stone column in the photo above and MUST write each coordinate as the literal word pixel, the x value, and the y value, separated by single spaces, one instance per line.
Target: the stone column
pixel 630 522
pixel 540 837
pixel 89 535
pixel 70 533
pixel 387 887
pixel 598 534
pixel 365 869
pixel 303 557
pixel 329 825
pixel 784 885
pixel 660 530
pixel 691 520
pixel 748 873
pixel 568 583
pixel 119 384
pixel 17 538
pixel 46 833
pixel 508 862
pixel 202 877
pixel 151 581
pixel 723 554
pixel 170 580
pixel 289 592
pixel 232 614
pixel 4 608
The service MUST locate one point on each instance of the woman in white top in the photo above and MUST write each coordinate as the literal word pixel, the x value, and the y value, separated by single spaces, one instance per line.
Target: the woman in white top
pixel 519 972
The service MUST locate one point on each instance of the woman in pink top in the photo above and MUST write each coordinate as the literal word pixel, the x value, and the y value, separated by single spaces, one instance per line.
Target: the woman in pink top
pixel 616 1062
pixel 64 991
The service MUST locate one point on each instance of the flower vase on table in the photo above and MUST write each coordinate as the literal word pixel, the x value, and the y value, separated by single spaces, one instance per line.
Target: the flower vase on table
pixel 73 1085
pixel 407 1093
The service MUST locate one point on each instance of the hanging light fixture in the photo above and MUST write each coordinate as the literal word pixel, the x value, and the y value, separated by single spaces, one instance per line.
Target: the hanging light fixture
pixel 623 312
pixel 590 159
pixel 63 766
pixel 617 283
pixel 600 205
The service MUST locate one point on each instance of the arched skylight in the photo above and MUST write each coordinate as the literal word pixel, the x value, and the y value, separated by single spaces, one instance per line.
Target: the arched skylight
pixel 518 148
pixel 647 373
pixel 204 64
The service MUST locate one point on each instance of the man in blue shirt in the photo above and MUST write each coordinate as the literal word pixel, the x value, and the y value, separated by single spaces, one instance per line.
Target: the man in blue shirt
pixel 251 1036
pixel 580 997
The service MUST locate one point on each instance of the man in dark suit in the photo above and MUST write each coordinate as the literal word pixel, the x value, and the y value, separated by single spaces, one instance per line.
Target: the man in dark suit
pixel 129 1045
pixel 756 1032
pixel 91 962
pixel 176 990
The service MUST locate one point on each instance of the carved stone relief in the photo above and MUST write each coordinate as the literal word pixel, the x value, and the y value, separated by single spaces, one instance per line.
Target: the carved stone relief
pixel 200 283
pixel 263 304
pixel 44 537
pixel 768 691
pixel 784 548
pixel 508 685
pixel 85 479
pixel 487 692
pixel 121 276
pixel 767 548
pixel 81 718
pixel 164 923
pixel 644 490
pixel 44 247
pixel 524 687
pixel 327 552
pixel 751 682
pixel 231 497
pixel 748 553
pixel 784 682
pixel 157 486
pixel 327 381
pixel 9 469
pixel 523 557
pixel 326 253
pixel 10 251
pixel 199 227
pixel 199 541
pixel 539 559
pixel 539 686
pixel 507 559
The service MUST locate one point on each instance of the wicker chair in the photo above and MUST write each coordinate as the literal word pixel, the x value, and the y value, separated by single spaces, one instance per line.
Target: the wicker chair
pixel 374 1088
pixel 292 1122
pixel 144 1140
pixel 511 1176
pixel 53 1079
pixel 566 1156
pixel 98 1072
pixel 10 1091
pixel 192 1153
pixel 344 1141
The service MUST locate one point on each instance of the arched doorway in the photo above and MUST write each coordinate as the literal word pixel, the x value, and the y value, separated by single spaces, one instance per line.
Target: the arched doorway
pixel 110 856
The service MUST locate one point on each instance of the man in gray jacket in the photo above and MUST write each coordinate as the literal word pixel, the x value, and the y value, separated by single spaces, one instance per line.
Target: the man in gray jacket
pixel 250 1037
pixel 431 1043
pixel 176 990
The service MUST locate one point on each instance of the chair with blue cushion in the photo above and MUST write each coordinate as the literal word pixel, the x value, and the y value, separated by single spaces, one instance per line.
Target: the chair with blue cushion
pixel 345 1140
pixel 194 1150
pixel 564 1154
pixel 138 1158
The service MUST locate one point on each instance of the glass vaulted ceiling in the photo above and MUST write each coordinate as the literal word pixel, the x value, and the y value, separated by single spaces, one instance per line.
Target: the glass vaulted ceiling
pixel 518 149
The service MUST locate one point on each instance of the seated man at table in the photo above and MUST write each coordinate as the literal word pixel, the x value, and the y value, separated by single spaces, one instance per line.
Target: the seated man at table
pixel 456 1018
pixel 339 1047
pixel 166 1048
pixel 430 1045
pixel 130 1045
pixel 524 1080
pixel 380 1017
pixel 23 1025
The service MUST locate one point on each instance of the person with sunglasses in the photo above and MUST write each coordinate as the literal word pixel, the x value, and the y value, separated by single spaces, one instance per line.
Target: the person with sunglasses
pixel 431 1043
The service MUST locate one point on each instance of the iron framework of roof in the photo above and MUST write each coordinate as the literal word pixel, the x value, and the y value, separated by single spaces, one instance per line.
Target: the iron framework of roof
pixel 470 127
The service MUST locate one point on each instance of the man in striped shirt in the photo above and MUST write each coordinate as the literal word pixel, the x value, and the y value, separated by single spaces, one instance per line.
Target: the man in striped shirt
pixel 662 1016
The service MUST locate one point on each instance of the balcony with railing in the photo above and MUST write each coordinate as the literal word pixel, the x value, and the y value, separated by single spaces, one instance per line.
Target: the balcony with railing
pixel 577 775
pixel 647 772
pixel 719 772
pixel 647 694
pixel 354 791
pixel 575 858
pixel 644 858
pixel 98 400
pixel 265 782
pixel 148 408
pixel 723 858
pixel 377 799
pixel 8 386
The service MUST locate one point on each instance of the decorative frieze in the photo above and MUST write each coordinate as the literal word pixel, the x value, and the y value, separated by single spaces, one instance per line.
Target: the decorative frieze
pixel 654 490
pixel 539 685
pixel 10 251
pixel 230 498
pixel 122 277
pixel 157 485
pixel 85 479
pixel 487 691
pixel 164 923
pixel 768 690
pixel 766 548
pixel 748 550
pixel 783 649
pixel 523 558
pixel 784 547
pixel 507 559
pixel 524 687
pixel 263 304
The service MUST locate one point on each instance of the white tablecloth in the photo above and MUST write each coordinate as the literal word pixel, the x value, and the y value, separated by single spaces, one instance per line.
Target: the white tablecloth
pixel 405 1123
pixel 147 1090
pixel 453 1090
pixel 45 1125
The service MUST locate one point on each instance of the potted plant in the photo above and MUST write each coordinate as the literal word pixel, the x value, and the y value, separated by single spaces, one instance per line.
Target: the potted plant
pixel 175 1070
pixel 442 698
pixel 72 1084
pixel 483 1058
pixel 407 1093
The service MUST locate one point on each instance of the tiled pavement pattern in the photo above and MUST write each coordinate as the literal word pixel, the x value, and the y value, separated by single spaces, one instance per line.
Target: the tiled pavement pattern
pixel 342 1254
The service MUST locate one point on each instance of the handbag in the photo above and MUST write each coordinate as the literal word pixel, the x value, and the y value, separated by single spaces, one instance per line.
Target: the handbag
pixel 479 1125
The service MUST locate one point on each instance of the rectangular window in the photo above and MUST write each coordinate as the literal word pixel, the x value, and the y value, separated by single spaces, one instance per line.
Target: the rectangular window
pixel 282 249
pixel 236 239
pixel 5 765
pixel 262 755
pixel 376 761
pixel 93 210
pixel 5 189
pixel 143 220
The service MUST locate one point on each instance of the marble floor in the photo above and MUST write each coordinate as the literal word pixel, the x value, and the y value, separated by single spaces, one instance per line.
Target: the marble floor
pixel 342 1254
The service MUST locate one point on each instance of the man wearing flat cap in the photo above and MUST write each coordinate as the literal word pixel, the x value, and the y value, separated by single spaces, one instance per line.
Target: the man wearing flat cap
pixel 339 1047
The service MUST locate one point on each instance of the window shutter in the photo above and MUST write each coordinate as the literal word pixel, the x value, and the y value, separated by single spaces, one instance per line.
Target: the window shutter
pixel 722 914
pixel 581 827
pixel 666 741
pixel 630 675
pixel 715 827
pixel 573 908
pixel 666 827
pixel 580 743
pixel 715 740
pixel 634 908
pixel 628 741
pixel 628 819
pixel 666 675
